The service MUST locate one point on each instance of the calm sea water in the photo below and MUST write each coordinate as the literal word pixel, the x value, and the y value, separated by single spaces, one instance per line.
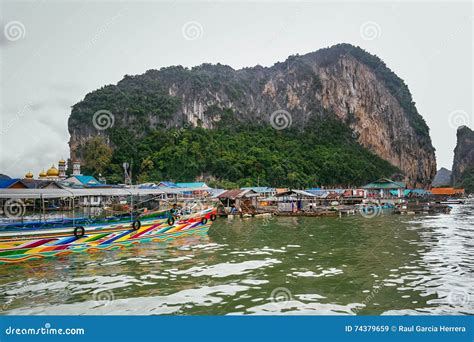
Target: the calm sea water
pixel 312 266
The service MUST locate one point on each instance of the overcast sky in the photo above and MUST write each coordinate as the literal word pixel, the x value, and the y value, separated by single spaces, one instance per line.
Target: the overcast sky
pixel 53 53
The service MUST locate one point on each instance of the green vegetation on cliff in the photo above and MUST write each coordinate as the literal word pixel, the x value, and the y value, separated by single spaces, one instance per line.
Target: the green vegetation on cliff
pixel 466 181
pixel 324 153
pixel 463 162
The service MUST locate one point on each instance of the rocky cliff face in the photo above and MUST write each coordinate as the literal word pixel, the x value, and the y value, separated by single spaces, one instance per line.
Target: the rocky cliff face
pixel 343 81
pixel 463 164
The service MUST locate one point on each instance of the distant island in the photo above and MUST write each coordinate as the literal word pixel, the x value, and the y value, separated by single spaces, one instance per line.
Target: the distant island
pixel 336 117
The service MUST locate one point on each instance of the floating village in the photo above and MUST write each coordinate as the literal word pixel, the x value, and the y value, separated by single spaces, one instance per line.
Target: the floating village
pixel 55 191
pixel 57 214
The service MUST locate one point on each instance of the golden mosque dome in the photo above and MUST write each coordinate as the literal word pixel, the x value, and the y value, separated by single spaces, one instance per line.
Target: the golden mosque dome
pixel 52 172
pixel 42 174
pixel 29 175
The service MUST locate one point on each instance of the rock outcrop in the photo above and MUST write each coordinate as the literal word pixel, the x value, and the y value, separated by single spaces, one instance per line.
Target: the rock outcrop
pixel 343 81
pixel 442 178
pixel 463 163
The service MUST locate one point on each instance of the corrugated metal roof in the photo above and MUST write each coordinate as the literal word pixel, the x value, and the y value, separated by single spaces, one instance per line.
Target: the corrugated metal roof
pixel 65 193
pixel 192 185
pixel 232 194
pixel 167 184
pixel 216 192
pixel 5 183
pixel 86 180
pixel 318 193
pixel 181 190
pixel 259 189
pixel 238 193
pixel 295 192
pixel 39 183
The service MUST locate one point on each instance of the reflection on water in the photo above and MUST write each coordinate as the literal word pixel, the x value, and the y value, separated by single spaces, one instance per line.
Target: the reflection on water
pixel 352 265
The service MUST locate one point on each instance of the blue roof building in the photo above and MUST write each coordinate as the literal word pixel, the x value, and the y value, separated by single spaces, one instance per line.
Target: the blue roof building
pixel 6 183
pixel 192 185
pixel 383 188
pixel 83 180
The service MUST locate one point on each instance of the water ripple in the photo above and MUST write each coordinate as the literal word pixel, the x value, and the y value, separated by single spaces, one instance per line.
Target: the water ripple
pixel 293 266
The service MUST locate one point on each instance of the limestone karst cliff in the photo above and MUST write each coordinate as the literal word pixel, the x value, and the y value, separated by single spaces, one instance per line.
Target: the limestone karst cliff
pixel 342 81
pixel 463 163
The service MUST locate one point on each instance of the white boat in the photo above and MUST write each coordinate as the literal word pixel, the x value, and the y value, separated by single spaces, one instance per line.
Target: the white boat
pixel 453 201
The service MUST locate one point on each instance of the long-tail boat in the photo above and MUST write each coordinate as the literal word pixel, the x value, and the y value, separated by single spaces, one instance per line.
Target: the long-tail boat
pixel 67 221
pixel 22 245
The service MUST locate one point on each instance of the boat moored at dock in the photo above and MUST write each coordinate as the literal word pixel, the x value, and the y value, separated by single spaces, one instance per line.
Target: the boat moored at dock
pixel 20 246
